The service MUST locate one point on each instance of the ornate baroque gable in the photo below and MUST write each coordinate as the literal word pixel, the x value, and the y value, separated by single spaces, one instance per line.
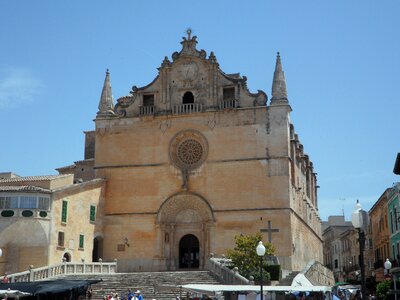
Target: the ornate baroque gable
pixel 191 83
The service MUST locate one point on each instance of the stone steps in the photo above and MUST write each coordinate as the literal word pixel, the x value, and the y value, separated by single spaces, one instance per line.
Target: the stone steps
pixel 153 285
pixel 288 279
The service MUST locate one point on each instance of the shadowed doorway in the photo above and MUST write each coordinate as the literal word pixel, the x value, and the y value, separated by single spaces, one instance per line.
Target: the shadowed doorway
pixel 189 252
pixel 97 249
pixel 188 98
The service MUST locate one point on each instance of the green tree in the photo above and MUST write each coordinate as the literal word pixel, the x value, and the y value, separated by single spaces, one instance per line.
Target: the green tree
pixel 382 288
pixel 245 258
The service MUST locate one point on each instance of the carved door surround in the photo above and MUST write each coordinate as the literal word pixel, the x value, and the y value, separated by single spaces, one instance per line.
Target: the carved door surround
pixel 179 215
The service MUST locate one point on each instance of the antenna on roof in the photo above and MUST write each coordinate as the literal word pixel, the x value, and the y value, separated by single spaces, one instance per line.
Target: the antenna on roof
pixel 342 199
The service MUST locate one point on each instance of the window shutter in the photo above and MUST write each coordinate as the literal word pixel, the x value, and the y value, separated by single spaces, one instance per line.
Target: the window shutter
pixel 64 212
pixel 92 213
pixel 81 241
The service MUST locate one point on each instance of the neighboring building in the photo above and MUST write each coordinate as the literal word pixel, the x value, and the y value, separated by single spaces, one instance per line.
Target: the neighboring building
pixel 83 170
pixel 394 222
pixel 350 254
pixel 46 218
pixel 189 161
pixel 369 255
pixel 378 215
pixel 7 175
pixel 333 247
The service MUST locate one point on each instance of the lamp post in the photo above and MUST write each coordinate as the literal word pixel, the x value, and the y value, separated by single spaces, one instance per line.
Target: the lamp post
pixel 359 219
pixel 261 252
pixel 388 266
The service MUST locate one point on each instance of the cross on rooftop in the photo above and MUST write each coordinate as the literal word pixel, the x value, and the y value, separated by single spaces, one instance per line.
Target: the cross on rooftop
pixel 189 32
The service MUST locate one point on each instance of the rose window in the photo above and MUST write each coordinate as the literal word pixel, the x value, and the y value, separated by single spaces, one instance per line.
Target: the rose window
pixel 190 151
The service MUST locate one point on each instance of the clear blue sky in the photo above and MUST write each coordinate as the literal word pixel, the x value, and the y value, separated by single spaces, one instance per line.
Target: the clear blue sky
pixel 341 60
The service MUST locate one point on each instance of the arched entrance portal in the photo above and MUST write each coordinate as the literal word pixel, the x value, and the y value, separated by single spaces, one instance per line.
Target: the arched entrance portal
pixel 186 222
pixel 189 252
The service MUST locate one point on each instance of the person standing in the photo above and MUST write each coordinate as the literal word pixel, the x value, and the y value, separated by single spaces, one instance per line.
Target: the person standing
pixel 5 279
pixel 138 295
pixel 130 295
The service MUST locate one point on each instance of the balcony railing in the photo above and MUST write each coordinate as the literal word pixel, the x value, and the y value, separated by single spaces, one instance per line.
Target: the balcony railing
pixel 187 108
pixel 227 104
pixel 147 110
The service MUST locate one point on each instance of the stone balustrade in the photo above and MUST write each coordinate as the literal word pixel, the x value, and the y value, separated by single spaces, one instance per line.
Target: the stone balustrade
pixel 147 110
pixel 218 266
pixel 187 108
pixel 62 269
pixel 227 104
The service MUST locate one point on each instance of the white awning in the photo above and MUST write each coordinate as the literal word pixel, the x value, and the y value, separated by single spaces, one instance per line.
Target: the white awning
pixel 13 293
pixel 199 288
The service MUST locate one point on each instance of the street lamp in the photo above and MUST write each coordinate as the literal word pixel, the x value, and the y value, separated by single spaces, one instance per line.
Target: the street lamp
pixel 359 219
pixel 261 252
pixel 388 266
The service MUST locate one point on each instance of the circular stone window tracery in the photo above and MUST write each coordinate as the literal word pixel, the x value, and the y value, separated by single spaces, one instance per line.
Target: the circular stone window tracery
pixel 188 149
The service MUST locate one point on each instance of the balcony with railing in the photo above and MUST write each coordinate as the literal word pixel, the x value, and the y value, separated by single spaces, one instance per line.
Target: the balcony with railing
pixel 228 104
pixel 188 108
pixel 147 110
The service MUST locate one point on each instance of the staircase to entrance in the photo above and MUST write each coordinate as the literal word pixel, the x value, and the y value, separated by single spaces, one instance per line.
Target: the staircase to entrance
pixel 153 285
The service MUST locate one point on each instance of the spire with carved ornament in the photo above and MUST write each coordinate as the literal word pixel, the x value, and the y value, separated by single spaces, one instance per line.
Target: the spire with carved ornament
pixel 279 93
pixel 106 104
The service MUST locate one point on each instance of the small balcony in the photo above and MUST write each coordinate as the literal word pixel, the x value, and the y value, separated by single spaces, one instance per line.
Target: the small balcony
pixel 147 110
pixel 228 104
pixel 187 108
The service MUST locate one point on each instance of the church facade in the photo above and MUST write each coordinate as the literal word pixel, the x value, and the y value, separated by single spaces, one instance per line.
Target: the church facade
pixel 172 172
pixel 193 159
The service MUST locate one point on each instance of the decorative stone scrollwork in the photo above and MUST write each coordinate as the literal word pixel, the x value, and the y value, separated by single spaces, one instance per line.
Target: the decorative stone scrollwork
pixel 123 103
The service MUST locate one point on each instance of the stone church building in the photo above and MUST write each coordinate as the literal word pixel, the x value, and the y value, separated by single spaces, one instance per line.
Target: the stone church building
pixel 193 159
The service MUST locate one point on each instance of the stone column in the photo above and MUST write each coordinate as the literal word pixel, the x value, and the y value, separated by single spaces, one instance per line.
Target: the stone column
pixel 202 250
pixel 172 260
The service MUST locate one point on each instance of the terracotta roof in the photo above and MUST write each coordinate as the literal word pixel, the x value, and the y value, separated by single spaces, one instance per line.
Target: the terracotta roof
pixel 33 178
pixel 23 188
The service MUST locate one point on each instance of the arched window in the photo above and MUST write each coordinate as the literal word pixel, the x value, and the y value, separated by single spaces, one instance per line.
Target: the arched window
pixel 67 257
pixel 188 98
